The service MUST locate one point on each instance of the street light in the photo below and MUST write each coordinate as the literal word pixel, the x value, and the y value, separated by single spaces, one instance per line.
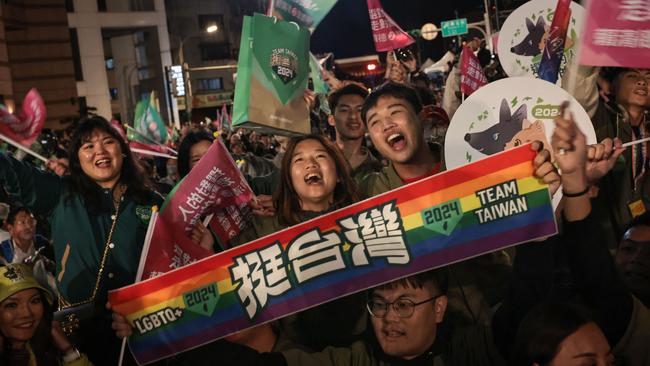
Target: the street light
pixel 210 29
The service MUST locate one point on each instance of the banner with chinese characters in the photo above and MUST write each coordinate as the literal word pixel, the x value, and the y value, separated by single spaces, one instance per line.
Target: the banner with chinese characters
pixel 386 33
pixel 456 215
pixel 617 33
pixel 307 13
pixel 472 76
pixel 214 186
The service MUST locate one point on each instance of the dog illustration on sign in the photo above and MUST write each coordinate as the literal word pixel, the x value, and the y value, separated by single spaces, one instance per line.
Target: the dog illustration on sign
pixel 533 44
pixel 494 139
pixel 530 45
pixel 531 132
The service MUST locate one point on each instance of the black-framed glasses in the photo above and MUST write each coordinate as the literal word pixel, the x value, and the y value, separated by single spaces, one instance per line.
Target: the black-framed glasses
pixel 404 308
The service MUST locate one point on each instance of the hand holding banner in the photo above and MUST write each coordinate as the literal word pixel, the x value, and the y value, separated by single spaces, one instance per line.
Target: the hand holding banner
pixel 214 186
pixel 459 214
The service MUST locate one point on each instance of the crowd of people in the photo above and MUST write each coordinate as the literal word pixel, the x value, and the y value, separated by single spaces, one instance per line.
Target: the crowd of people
pixel 74 229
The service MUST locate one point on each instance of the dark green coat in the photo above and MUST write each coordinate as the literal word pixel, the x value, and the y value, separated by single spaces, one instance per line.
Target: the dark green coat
pixel 78 236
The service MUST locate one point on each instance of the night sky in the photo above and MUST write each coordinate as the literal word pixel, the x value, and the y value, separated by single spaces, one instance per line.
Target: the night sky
pixel 346 29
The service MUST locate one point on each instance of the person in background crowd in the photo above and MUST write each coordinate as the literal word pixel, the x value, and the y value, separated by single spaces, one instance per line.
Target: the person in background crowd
pixel 24 242
pixel 99 216
pixel 560 334
pixel 346 104
pixel 622 113
pixel 4 212
pixel 27 334
pixel 633 258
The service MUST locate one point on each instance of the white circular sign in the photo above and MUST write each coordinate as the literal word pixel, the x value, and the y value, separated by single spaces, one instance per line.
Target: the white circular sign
pixel 508 113
pixel 429 31
pixel 523 36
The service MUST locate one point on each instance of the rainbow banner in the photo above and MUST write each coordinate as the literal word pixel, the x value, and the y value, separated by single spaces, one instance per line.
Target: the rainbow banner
pixel 459 214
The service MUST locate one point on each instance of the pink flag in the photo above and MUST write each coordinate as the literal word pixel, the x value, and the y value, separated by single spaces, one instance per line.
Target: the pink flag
pixel 472 76
pixel 218 123
pixel 151 147
pixel 214 186
pixel 617 33
pixel 226 118
pixel 26 125
pixel 385 31
pixel 118 127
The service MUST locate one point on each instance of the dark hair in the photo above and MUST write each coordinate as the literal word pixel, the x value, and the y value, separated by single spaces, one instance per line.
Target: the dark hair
pixel 131 173
pixel 41 342
pixel 543 329
pixel 439 277
pixel 420 76
pixel 286 200
pixel 395 90
pixel 14 211
pixel 190 139
pixel 350 89
pixel 611 73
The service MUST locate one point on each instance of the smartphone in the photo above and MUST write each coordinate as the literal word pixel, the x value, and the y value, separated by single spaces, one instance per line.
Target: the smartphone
pixel 404 54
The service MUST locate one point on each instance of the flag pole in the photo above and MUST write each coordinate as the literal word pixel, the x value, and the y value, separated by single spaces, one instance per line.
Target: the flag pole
pixel 269 11
pixel 143 256
pixel 129 128
pixel 23 148
pixel 152 153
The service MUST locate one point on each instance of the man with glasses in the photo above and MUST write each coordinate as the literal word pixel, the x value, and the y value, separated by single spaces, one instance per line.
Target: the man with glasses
pixel 407 328
pixel 24 242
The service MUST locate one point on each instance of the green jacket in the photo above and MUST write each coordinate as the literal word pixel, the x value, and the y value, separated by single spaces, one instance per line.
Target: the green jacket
pixel 369 166
pixel 79 237
pixel 471 346
pixel 381 182
pixel 387 179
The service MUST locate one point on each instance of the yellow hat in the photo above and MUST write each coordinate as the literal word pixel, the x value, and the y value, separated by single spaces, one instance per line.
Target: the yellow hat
pixel 17 277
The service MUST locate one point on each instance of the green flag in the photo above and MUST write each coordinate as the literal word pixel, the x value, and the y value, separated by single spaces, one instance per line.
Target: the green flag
pixel 148 123
pixel 307 13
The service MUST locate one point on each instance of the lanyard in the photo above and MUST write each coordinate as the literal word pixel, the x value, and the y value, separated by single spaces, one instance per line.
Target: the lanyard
pixel 642 148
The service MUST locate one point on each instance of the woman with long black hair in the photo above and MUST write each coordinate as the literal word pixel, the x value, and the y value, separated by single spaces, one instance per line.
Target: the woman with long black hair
pixel 99 216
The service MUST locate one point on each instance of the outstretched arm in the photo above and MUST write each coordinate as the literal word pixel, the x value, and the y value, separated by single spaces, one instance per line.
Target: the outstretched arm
pixel 35 188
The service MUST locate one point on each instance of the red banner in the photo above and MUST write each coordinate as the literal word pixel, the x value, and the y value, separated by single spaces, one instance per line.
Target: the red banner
pixel 617 33
pixel 385 31
pixel 472 76
pixel 26 125
pixel 215 186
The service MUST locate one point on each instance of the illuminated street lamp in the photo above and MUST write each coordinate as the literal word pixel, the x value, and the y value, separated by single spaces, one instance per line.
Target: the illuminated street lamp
pixel 210 29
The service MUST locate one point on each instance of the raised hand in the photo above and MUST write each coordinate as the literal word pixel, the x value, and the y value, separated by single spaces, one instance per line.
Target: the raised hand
pixel 602 157
pixel 544 169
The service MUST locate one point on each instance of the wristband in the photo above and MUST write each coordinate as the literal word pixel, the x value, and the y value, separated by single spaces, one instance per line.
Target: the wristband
pixel 573 195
